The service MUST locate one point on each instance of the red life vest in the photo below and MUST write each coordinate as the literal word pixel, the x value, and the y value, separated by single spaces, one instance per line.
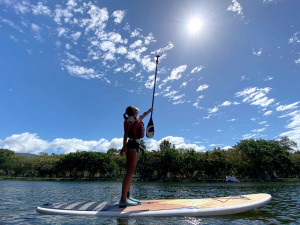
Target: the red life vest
pixel 137 130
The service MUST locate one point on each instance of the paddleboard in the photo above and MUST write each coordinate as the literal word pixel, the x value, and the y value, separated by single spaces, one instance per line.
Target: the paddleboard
pixel 166 207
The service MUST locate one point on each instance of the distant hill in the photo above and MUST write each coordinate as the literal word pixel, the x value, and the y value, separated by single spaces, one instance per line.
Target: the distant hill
pixel 26 154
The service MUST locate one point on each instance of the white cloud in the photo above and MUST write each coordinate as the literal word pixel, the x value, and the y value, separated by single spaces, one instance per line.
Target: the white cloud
pixel 162 50
pixel 13 38
pixel 248 136
pixel 297 61
pixel 36 29
pixel 136 54
pixel 97 20
pixel 202 87
pixel 76 35
pixel 121 50
pixel 227 147
pixel 150 82
pixel 200 97
pixel 83 72
pixel 116 38
pixel 287 107
pixel 256 96
pixel 135 33
pixel 268 1
pixel 65 146
pixel 231 120
pixel 197 69
pixel 61 31
pixel 149 39
pixel 171 93
pixel 196 104
pixel 294 126
pixel 236 8
pixel 176 73
pixel 263 122
pixel 62 13
pixel 108 46
pixel 12 24
pixel 72 3
pixel 269 78
pixel 257 53
pixel 173 96
pixel 40 9
pixel 128 67
pixel 259 130
pixel 136 44
pixel 21 7
pixel 228 103
pixel 244 77
pixel 32 143
pixel 295 38
pixel 119 15
pixel 25 143
pixel 72 57
pixel 213 110
pixel 179 142
pixel 148 63
pixel 183 84
pixel 68 46
pixel 268 113
pixel 102 49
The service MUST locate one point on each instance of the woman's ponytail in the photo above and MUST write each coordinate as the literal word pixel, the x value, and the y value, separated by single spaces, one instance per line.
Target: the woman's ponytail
pixel 129 112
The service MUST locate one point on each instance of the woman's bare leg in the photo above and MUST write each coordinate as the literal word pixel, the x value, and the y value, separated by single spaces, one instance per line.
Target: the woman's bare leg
pixel 131 161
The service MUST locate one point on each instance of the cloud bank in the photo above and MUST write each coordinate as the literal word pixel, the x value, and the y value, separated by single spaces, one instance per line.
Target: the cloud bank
pixel 32 143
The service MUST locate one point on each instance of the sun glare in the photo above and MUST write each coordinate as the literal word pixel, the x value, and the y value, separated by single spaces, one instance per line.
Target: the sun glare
pixel 195 25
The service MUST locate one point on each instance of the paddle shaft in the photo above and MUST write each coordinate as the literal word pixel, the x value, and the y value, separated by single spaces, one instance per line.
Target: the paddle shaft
pixel 154 83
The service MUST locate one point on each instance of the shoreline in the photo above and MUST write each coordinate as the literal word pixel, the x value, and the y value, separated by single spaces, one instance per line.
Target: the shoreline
pixel 146 180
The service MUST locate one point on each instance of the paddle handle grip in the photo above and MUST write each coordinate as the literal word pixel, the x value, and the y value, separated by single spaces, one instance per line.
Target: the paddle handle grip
pixel 154 82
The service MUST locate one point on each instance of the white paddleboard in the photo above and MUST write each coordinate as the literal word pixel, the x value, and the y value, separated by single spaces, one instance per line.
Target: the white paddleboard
pixel 166 207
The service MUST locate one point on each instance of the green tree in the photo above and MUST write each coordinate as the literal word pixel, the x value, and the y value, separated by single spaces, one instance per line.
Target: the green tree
pixel 5 157
pixel 264 158
pixel 164 145
pixel 190 163
pixel 287 144
pixel 46 164
pixel 146 165
pixel 113 152
pixel 167 161
pixel 295 158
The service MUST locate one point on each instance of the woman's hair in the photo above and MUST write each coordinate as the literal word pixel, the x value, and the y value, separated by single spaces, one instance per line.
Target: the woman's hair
pixel 129 112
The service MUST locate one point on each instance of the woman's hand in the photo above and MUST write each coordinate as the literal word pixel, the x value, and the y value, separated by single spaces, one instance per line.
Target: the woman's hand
pixel 123 151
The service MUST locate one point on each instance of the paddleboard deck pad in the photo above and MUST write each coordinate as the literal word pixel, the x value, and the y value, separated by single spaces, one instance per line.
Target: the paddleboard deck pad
pixel 167 207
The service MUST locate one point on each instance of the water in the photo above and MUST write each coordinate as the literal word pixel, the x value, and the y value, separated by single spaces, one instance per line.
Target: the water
pixel 18 200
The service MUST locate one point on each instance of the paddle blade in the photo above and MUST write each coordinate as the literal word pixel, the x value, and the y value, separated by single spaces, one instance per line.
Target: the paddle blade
pixel 150 129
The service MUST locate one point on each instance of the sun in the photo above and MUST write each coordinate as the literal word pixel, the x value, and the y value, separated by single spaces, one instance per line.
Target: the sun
pixel 195 25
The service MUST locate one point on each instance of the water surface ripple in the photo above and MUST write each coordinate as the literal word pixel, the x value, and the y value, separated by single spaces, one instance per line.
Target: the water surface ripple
pixel 20 198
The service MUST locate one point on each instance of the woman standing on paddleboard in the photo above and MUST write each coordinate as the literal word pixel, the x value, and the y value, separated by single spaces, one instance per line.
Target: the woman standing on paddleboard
pixel 133 131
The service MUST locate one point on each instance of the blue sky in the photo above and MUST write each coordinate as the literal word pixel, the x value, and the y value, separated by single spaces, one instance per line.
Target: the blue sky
pixel 70 68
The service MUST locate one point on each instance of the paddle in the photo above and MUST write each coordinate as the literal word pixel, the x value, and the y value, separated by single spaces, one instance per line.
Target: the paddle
pixel 150 126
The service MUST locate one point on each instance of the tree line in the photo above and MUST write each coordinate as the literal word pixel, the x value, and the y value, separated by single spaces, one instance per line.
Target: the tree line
pixel 248 159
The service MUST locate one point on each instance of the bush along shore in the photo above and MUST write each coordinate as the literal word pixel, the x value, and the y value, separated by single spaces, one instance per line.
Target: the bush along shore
pixel 248 160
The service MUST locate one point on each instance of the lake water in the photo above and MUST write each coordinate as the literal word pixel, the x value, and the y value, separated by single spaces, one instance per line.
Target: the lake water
pixel 18 201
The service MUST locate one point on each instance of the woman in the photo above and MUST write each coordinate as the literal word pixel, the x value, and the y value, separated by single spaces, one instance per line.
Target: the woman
pixel 131 148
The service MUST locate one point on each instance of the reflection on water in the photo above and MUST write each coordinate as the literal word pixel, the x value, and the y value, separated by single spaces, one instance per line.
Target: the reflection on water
pixel 20 198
